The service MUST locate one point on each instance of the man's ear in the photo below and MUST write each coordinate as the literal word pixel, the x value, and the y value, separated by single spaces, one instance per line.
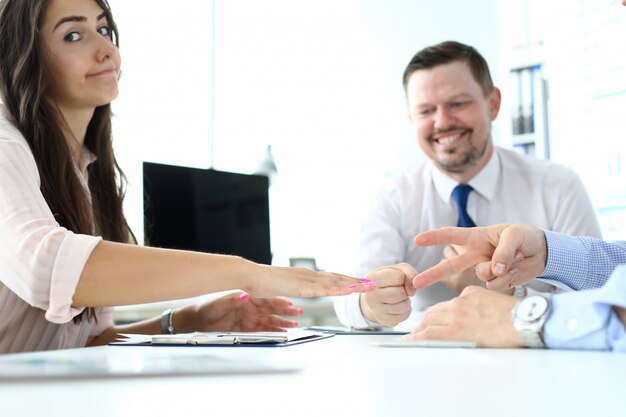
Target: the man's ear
pixel 495 99
pixel 408 108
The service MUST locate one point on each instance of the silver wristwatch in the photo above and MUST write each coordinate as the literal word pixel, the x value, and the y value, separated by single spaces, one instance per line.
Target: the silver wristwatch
pixel 529 316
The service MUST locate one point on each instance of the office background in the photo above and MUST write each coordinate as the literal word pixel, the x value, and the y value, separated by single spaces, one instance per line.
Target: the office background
pixel 212 83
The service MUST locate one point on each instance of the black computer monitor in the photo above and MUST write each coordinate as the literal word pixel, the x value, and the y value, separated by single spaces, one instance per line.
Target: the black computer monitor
pixel 207 210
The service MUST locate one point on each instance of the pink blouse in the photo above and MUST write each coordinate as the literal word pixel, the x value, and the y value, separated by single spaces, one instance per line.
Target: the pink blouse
pixel 40 261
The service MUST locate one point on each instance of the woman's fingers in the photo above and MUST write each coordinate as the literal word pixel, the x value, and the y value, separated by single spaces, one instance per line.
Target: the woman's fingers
pixel 269 323
pixel 268 281
pixel 276 305
pixel 326 284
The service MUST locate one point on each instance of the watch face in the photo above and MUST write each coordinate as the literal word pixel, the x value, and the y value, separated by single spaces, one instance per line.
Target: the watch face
pixel 531 308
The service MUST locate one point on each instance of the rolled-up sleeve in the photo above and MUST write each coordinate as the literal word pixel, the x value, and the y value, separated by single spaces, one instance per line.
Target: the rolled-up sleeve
pixel 70 260
pixel 40 261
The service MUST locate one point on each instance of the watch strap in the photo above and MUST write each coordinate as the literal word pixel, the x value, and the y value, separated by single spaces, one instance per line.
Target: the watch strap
pixel 519 291
pixel 167 326
pixel 533 339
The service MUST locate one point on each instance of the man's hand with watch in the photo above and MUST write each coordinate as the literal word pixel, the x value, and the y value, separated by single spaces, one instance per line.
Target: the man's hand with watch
pixel 484 316
pixel 505 256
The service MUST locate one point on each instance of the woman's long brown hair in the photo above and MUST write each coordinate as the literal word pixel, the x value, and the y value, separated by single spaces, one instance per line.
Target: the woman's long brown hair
pixel 25 88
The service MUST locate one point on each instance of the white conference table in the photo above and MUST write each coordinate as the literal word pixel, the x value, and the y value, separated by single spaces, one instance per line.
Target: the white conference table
pixel 341 376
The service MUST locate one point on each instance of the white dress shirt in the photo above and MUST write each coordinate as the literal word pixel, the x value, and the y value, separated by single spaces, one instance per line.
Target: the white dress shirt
pixel 512 188
pixel 40 261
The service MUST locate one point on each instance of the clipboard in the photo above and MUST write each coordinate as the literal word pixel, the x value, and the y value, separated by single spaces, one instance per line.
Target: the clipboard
pixel 224 339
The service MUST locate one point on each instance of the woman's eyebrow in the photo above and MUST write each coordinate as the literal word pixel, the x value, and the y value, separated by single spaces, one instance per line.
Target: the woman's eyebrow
pixel 76 19
pixel 69 19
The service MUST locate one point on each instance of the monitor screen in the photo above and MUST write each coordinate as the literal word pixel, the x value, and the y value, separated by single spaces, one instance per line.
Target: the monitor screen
pixel 207 210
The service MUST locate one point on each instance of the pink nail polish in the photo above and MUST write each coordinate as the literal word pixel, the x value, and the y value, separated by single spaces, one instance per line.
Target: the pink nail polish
pixel 351 286
pixel 370 284
pixel 365 279
pixel 301 311
pixel 244 296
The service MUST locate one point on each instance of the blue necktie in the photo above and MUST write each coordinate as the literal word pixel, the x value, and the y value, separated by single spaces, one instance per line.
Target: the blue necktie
pixel 460 194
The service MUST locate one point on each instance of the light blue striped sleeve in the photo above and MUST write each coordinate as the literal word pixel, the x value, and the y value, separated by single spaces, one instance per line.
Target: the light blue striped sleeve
pixel 586 320
pixel 581 262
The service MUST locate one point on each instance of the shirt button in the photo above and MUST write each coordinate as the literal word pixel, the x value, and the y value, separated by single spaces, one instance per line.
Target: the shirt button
pixel 572 324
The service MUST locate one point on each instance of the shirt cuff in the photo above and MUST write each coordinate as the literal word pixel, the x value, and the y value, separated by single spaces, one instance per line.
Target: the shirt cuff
pixel 616 334
pixel 348 309
pixel 576 322
pixel 565 254
pixel 71 259
pixel 586 320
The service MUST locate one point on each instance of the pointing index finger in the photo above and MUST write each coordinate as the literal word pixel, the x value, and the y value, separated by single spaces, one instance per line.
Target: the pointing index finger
pixel 443 236
pixel 443 269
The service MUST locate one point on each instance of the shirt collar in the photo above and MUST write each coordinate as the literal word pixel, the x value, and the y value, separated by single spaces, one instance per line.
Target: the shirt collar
pixel 86 158
pixel 484 182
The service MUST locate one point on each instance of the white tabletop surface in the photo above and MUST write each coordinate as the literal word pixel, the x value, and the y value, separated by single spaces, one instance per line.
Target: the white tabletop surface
pixel 341 376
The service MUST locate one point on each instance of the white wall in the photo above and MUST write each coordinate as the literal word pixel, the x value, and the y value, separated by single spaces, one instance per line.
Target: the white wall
pixel 318 80
pixel 162 112
pixel 585 60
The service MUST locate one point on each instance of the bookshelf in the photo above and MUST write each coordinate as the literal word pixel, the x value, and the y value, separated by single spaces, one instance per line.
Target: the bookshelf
pixel 525 87
pixel 529 111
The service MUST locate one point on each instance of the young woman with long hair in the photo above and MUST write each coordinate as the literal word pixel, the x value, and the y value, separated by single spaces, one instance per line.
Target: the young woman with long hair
pixel 66 251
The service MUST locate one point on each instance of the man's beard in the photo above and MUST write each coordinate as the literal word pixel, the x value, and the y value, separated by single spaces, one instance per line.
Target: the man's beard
pixel 469 160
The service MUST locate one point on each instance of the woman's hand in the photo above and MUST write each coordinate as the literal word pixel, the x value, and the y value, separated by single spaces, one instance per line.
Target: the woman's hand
pixel 237 312
pixel 268 281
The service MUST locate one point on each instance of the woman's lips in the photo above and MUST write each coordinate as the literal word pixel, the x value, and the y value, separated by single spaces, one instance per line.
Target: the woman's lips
pixel 105 71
